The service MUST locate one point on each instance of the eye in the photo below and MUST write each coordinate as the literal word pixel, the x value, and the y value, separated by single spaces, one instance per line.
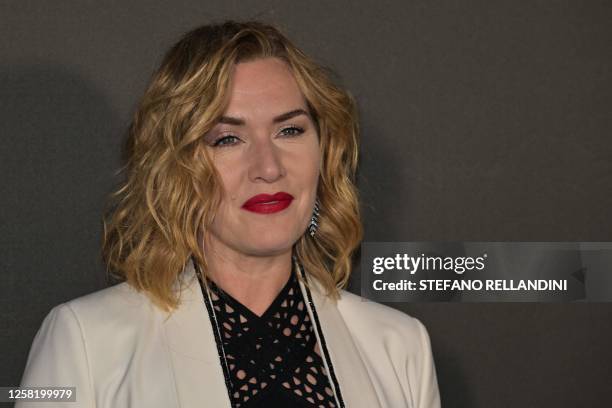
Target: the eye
pixel 225 141
pixel 292 131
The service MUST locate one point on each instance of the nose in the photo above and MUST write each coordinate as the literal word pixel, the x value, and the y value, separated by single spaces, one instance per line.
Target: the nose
pixel 265 162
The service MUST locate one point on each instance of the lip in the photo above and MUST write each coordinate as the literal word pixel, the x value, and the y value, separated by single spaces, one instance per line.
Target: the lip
pixel 268 203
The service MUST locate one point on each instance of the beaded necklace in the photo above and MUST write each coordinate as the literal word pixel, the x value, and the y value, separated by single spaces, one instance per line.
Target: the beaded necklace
pixel 279 356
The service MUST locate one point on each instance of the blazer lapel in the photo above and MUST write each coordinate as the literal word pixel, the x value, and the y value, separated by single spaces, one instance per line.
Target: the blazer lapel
pixel 193 352
pixel 355 384
pixel 197 369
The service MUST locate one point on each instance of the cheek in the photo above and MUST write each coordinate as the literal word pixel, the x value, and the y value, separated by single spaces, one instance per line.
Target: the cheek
pixel 315 172
pixel 307 173
pixel 309 163
pixel 230 176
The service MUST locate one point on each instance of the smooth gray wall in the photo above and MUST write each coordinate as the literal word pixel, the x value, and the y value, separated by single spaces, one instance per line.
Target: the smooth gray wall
pixel 480 121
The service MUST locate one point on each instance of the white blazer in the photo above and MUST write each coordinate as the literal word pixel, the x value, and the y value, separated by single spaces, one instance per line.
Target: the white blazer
pixel 119 350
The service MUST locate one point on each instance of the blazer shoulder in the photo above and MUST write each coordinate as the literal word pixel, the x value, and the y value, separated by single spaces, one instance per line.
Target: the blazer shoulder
pixel 119 295
pixel 92 342
pixel 377 317
pixel 384 334
pixel 118 306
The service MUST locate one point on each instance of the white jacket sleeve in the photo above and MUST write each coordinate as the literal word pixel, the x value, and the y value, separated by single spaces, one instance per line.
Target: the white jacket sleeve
pixel 58 358
pixel 423 373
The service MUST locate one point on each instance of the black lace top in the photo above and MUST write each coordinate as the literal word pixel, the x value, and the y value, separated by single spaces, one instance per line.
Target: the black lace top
pixel 273 360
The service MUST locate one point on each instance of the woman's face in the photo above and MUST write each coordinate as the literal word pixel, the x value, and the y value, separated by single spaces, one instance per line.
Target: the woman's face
pixel 266 149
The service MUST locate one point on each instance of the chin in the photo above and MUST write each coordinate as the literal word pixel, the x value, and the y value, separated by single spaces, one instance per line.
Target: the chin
pixel 268 244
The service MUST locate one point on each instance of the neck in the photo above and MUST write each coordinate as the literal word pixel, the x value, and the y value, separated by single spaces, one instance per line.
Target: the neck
pixel 254 281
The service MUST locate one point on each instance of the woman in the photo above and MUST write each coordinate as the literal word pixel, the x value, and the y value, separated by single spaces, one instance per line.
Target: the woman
pixel 233 232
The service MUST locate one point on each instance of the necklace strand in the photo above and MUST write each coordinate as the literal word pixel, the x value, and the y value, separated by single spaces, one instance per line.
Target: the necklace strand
pixel 316 325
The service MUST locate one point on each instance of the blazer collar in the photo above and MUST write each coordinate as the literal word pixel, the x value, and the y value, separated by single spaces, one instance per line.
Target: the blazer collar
pixel 193 353
pixel 355 385
pixel 195 360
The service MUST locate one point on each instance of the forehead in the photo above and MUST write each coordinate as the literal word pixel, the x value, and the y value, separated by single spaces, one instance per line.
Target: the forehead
pixel 263 86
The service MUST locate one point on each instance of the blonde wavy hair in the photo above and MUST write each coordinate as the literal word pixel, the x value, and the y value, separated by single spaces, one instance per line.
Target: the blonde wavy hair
pixel 171 189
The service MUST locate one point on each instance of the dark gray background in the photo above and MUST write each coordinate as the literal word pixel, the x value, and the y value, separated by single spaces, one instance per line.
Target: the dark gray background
pixel 481 120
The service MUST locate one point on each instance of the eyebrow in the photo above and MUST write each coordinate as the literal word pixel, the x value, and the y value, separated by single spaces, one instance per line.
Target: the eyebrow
pixel 278 119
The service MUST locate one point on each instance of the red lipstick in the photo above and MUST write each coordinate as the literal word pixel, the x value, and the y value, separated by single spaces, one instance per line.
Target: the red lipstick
pixel 268 203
